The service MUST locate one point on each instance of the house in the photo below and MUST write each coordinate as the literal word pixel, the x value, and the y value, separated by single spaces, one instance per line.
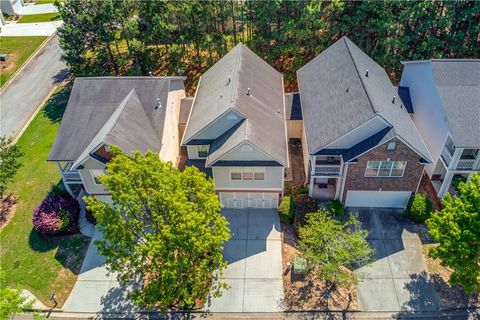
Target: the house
pixel 11 7
pixel 134 113
pixel 445 106
pixel 236 130
pixel 359 143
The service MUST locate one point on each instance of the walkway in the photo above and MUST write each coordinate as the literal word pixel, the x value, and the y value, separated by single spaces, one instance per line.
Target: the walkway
pixel 254 254
pixel 397 279
pixel 20 99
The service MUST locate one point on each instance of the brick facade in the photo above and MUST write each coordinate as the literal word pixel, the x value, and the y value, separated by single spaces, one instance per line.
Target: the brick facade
pixel 356 179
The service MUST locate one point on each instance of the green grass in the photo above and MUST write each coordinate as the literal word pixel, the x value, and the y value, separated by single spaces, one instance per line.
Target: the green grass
pixel 19 49
pixel 29 261
pixel 44 17
pixel 45 1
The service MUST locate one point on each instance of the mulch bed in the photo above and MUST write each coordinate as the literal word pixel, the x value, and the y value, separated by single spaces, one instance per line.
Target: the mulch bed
pixel 308 292
pixel 7 210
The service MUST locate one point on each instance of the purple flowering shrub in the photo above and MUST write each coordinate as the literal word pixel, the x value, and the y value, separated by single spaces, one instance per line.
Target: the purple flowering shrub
pixel 57 214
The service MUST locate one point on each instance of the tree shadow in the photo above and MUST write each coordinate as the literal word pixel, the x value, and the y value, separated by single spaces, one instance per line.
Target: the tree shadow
pixel 61 76
pixel 55 106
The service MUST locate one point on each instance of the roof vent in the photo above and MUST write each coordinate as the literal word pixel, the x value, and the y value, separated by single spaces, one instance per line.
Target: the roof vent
pixel 366 73
pixel 150 73
pixel 181 72
pixel 249 92
pixel 158 104
pixel 347 89
pixel 229 79
pixel 278 111
pixel 393 100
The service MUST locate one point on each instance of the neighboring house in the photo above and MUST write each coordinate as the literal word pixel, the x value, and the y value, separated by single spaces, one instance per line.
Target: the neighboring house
pixel 134 113
pixel 293 113
pixel 11 7
pixel 359 143
pixel 236 130
pixel 445 99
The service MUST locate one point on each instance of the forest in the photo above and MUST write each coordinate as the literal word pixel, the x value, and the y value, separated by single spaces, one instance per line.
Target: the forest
pixel 128 37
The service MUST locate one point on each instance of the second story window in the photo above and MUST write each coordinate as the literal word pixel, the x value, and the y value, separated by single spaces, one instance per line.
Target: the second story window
pixel 385 168
pixel 202 151
pixel 247 174
pixel 96 174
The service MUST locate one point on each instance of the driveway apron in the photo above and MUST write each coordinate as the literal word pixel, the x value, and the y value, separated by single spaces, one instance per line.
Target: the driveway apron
pixel 397 279
pixel 254 256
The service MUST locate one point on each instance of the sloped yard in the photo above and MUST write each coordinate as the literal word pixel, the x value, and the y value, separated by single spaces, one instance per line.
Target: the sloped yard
pixel 30 262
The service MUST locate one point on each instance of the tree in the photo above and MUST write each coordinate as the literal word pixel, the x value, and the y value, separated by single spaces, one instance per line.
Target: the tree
pixel 9 162
pixel 163 227
pixel 456 229
pixel 11 301
pixel 331 246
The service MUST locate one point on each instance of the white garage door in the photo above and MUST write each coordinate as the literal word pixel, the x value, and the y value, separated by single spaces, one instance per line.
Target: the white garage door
pixel 249 199
pixel 386 199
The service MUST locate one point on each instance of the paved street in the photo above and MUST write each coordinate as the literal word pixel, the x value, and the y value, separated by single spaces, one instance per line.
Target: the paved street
pixel 396 280
pixel 27 91
pixel 254 257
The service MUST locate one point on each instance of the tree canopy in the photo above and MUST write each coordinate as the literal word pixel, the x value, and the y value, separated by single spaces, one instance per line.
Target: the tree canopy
pixel 456 229
pixel 9 162
pixel 164 227
pixel 137 37
pixel 331 245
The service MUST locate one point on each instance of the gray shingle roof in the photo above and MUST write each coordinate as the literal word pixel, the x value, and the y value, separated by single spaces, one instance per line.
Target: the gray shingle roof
pixel 117 110
pixel 224 86
pixel 458 84
pixel 337 96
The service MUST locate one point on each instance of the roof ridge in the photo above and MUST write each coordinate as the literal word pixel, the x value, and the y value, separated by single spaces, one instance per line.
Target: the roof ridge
pixel 235 72
pixel 358 74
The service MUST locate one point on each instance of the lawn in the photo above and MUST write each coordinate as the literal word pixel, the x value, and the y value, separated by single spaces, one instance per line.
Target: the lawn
pixel 45 1
pixel 30 262
pixel 45 17
pixel 19 49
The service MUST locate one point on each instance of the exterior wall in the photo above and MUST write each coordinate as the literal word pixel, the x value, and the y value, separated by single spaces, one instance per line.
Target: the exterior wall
pixel 246 152
pixel 171 139
pixel 294 129
pixel 219 126
pixel 87 178
pixel 359 134
pixel 306 157
pixel 11 7
pixel 273 179
pixel 429 116
pixel 356 180
pixel 192 152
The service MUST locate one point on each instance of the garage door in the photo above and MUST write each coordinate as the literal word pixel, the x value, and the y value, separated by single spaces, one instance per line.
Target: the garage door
pixel 386 199
pixel 249 199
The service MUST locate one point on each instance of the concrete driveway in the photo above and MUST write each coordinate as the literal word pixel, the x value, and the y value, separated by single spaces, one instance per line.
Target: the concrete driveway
pixel 397 279
pixel 254 257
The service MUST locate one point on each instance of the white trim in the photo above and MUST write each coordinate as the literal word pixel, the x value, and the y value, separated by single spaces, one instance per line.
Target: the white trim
pixel 253 170
pixel 344 178
pixel 391 168
pixel 93 176
pixel 285 126
pixel 250 189
pixel 202 145
pixel 420 180
pixel 182 143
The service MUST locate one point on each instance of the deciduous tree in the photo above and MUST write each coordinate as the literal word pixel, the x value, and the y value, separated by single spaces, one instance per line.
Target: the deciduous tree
pixel 163 228
pixel 456 229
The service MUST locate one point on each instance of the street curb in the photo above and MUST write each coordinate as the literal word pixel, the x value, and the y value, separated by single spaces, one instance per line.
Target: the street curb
pixel 33 115
pixel 44 43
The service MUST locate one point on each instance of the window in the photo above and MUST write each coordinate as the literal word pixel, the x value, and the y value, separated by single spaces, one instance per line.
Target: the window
pixel 202 151
pixel 391 146
pixel 385 168
pixel 247 174
pixel 96 173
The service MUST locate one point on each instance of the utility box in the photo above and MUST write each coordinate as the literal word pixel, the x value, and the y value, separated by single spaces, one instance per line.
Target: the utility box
pixel 299 266
pixel 3 57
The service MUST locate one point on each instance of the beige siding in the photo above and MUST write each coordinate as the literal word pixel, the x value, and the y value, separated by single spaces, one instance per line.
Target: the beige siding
pixel 294 129
pixel 90 186
pixel 192 152
pixel 170 139
pixel 273 179
pixel 246 152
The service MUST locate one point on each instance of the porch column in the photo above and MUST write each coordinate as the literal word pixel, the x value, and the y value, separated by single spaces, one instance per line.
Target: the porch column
pixel 469 177
pixel 476 164
pixel 338 187
pixel 310 188
pixel 447 181
pixel 455 157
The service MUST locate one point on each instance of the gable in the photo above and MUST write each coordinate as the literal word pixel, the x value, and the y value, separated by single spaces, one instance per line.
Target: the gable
pixel 218 127
pixel 246 152
pixel 402 152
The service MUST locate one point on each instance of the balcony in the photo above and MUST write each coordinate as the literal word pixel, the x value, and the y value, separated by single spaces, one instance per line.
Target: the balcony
pixel 465 164
pixel 327 170
pixel 467 159
pixel 72 176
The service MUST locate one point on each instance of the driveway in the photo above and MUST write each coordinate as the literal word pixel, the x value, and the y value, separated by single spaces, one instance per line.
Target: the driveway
pixel 20 99
pixel 254 257
pixel 38 9
pixel 95 289
pixel 30 29
pixel 396 280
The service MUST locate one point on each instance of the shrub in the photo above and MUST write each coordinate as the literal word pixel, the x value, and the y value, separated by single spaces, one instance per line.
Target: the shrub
pixel 57 214
pixel 286 209
pixel 302 190
pixel 336 208
pixel 457 180
pixel 419 208
pixel 303 204
pixel 90 217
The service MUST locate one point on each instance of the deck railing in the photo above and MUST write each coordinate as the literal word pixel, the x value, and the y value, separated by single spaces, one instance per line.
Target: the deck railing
pixel 71 176
pixel 327 170
pixel 465 164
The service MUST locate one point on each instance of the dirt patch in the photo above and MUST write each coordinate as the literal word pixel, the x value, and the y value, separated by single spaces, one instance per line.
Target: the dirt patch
pixel 7 210
pixel 450 296
pixel 10 64
pixel 309 293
